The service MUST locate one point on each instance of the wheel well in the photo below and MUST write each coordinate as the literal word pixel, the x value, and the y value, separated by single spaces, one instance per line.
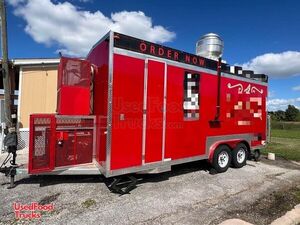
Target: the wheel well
pixel 230 144
pixel 214 147
pixel 226 145
pixel 247 145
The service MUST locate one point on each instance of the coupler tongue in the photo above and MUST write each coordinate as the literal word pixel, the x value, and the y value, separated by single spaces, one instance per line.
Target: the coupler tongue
pixel 11 142
pixel 10 171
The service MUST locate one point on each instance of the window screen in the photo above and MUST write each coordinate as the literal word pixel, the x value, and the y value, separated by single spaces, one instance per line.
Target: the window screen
pixel 191 96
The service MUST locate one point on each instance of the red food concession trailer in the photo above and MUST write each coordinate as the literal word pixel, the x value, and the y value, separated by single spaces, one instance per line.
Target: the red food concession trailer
pixel 134 106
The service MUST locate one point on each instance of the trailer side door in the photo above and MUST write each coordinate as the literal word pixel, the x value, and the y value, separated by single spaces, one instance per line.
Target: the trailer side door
pixel 154 108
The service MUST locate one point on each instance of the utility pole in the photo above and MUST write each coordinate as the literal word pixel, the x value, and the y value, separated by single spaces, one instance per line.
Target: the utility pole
pixel 5 69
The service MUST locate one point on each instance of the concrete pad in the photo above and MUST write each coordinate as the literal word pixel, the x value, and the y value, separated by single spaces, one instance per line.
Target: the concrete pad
pixel 186 195
pixel 235 222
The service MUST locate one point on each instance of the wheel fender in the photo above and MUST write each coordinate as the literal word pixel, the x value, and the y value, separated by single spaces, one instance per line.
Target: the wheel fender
pixel 231 143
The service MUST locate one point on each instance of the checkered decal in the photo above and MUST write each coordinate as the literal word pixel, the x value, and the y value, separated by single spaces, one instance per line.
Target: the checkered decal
pixel 191 96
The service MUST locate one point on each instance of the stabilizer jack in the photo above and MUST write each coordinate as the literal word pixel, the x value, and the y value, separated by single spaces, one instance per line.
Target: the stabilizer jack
pixel 123 185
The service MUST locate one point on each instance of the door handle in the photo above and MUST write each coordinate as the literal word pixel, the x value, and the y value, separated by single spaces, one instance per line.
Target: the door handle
pixel 122 116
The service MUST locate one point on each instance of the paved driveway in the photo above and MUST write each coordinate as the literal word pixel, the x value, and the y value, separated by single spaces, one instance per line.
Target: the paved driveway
pixel 187 195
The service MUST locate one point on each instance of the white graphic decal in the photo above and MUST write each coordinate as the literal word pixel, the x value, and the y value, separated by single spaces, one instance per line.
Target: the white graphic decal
pixel 240 87
pixel 248 90
pixel 253 89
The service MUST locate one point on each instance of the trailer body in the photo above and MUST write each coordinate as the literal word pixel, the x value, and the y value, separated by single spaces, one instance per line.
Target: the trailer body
pixel 136 106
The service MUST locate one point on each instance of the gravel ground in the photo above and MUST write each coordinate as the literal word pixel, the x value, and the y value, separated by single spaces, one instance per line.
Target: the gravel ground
pixel 186 195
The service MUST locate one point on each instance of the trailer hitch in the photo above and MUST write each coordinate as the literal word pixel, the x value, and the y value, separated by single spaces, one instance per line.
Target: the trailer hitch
pixel 11 170
pixel 121 185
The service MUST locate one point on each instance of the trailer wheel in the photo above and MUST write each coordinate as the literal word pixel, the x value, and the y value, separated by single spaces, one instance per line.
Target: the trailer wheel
pixel 239 155
pixel 222 158
pixel 256 155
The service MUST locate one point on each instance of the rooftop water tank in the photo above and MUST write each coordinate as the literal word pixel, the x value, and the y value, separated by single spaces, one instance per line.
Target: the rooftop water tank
pixel 210 46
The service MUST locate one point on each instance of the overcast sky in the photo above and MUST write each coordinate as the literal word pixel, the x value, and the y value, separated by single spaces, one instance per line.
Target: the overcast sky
pixel 262 35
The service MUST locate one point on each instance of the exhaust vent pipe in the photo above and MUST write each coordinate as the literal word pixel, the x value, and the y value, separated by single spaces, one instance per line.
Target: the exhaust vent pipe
pixel 210 46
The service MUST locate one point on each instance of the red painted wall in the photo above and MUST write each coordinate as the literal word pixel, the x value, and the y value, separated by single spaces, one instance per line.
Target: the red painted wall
pixel 243 110
pixel 73 87
pixel 183 138
pixel 99 57
pixel 154 121
pixel 128 86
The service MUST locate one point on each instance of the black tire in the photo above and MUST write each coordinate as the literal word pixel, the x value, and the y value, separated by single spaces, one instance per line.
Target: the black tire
pixel 256 155
pixel 239 155
pixel 220 165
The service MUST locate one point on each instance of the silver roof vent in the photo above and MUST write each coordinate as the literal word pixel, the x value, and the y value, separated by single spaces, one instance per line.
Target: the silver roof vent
pixel 210 46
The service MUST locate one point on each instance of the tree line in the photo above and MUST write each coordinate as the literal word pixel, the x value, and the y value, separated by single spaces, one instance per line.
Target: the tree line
pixel 290 114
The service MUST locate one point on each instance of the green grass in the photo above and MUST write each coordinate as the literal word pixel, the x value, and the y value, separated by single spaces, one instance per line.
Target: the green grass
pixel 284 125
pixel 297 194
pixel 285 144
pixel 285 133
pixel 88 203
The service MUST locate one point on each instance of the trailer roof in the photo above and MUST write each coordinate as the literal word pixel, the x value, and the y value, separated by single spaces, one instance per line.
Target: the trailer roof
pixel 145 47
